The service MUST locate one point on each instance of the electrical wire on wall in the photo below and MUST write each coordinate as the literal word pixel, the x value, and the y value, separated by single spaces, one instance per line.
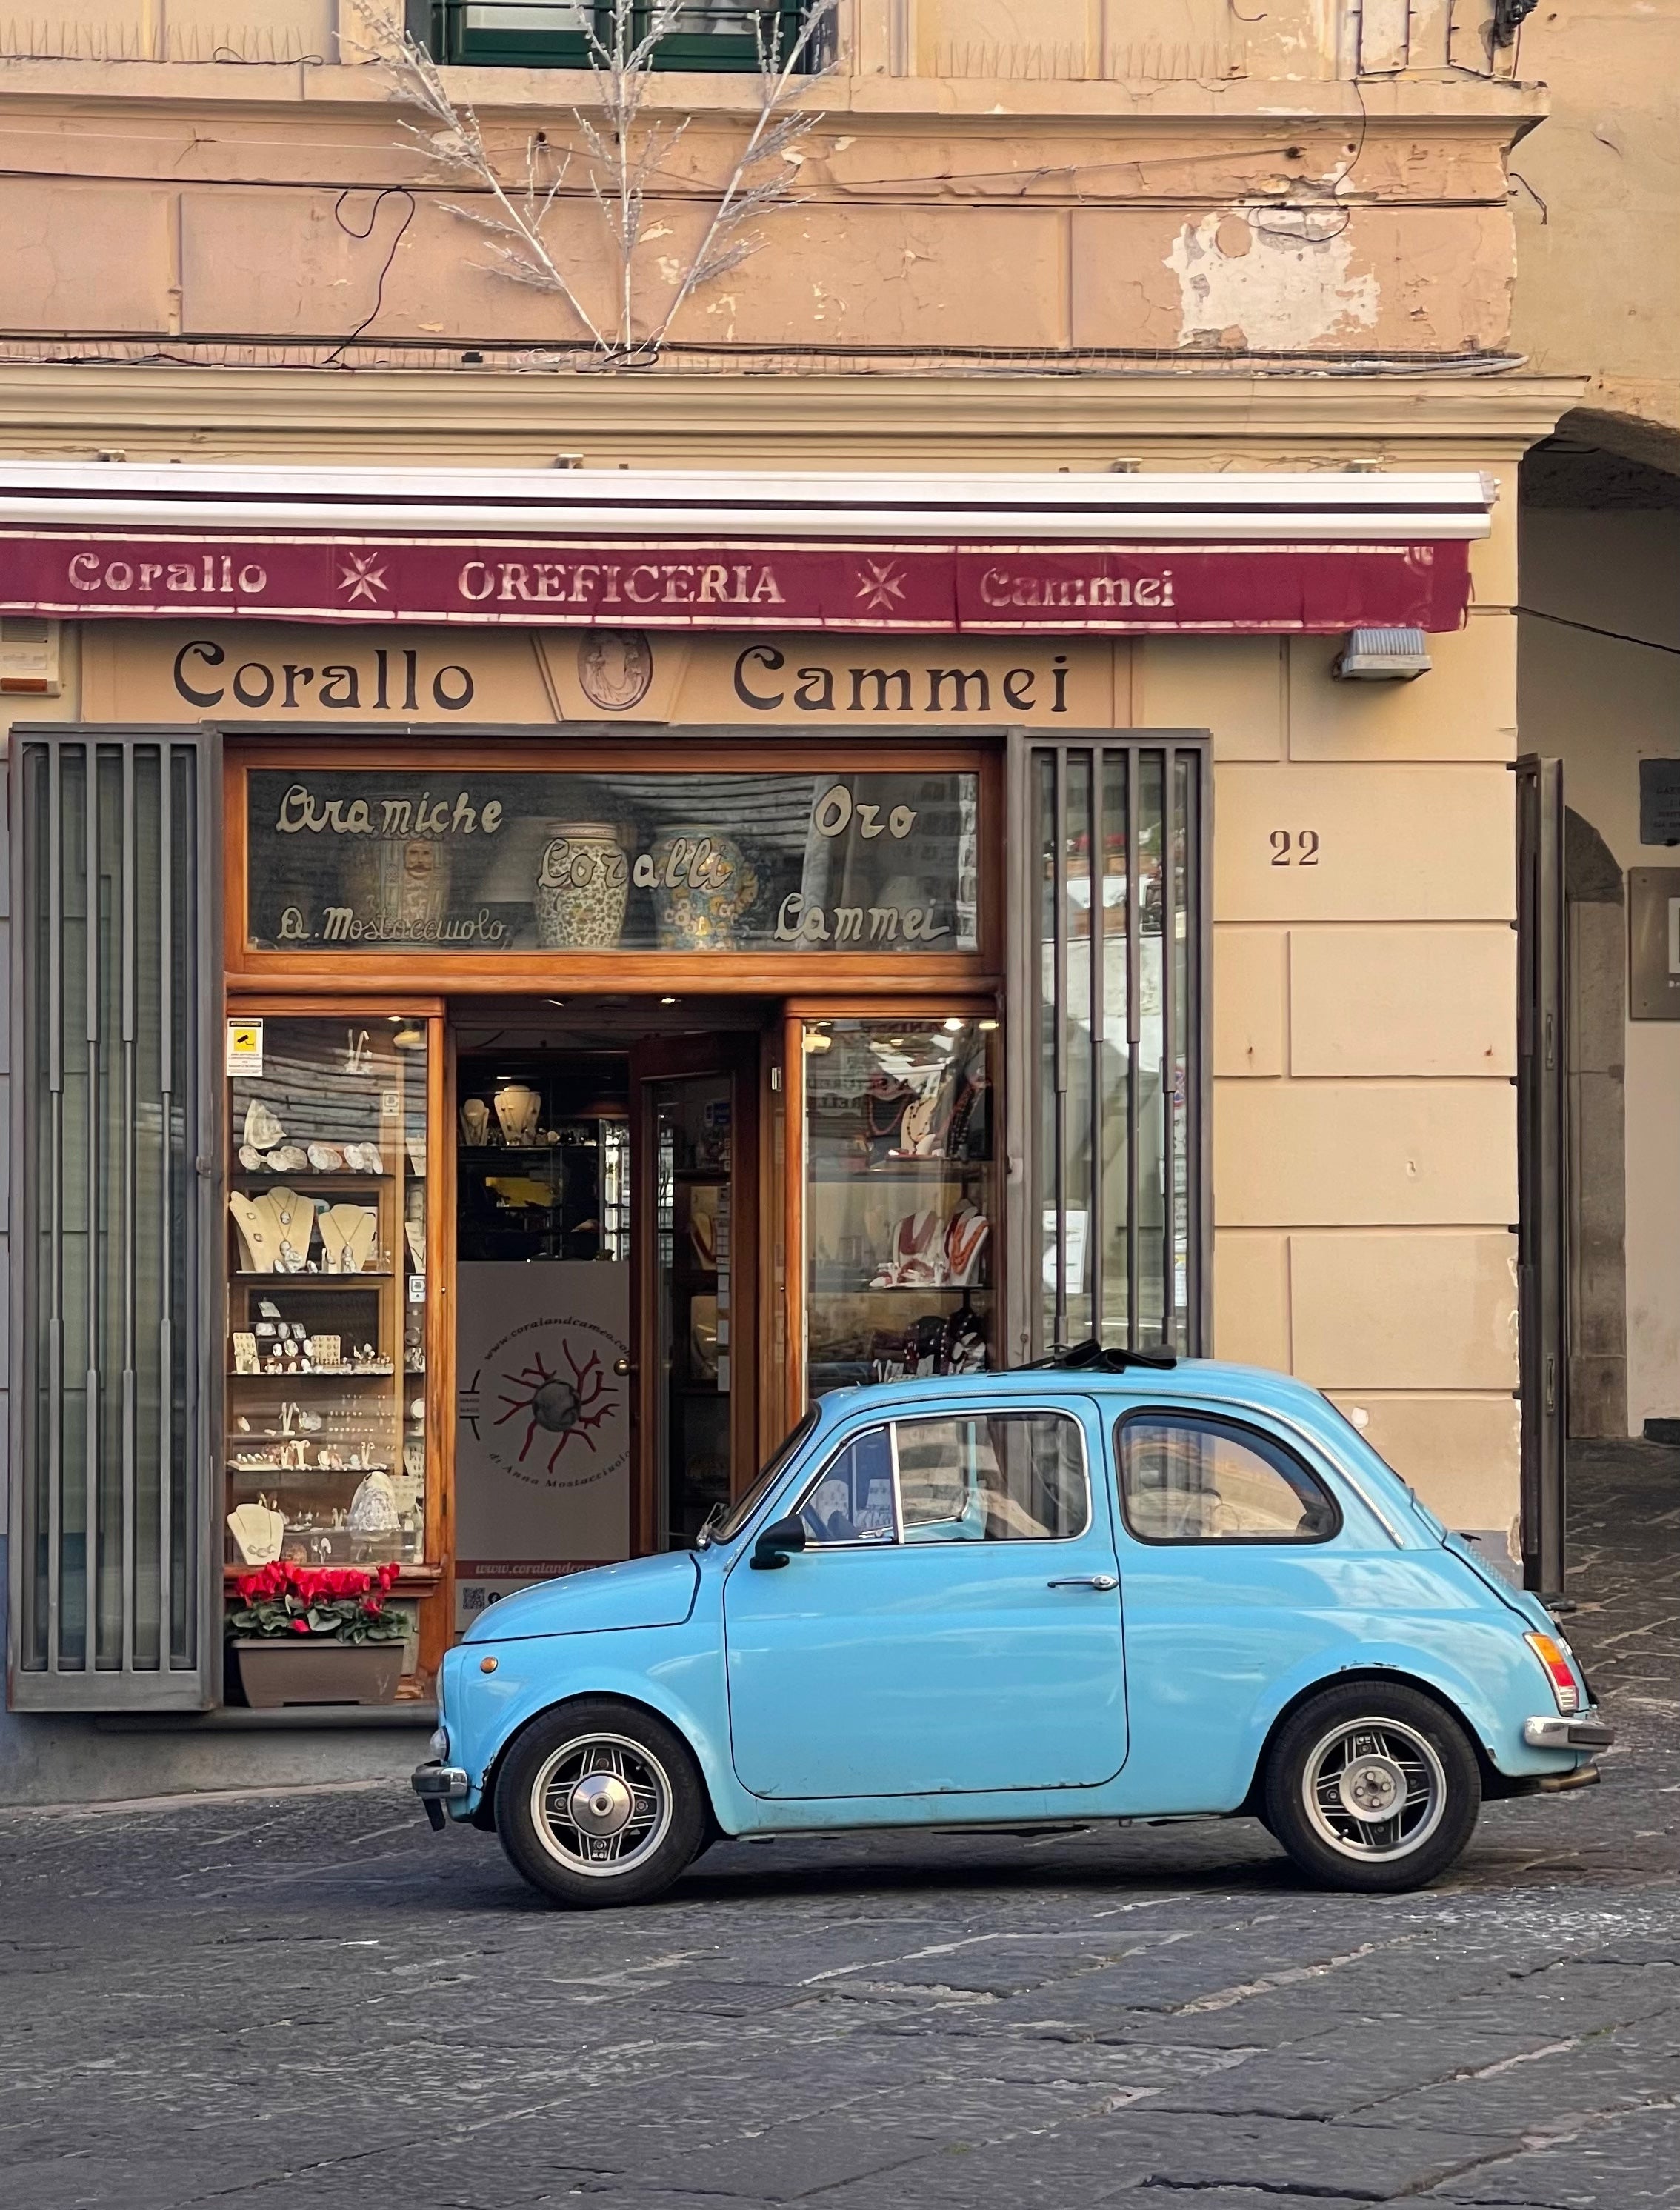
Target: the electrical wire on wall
pixel 384 193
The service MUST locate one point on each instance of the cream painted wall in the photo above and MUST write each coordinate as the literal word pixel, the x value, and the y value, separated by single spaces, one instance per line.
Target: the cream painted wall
pixel 1601 706
pixel 1364 1128
pixel 1597 278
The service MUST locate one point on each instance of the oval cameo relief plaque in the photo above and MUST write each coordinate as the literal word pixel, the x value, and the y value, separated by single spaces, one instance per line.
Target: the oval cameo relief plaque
pixel 615 668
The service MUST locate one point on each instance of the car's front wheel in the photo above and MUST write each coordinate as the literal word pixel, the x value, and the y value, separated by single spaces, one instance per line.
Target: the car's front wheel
pixel 1373 1787
pixel 600 1803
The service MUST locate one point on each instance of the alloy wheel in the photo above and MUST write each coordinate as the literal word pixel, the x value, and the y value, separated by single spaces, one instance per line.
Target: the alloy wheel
pixel 601 1805
pixel 1373 1789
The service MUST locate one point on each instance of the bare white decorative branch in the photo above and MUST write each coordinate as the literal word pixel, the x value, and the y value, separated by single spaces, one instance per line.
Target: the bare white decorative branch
pixel 623 156
pixel 777 130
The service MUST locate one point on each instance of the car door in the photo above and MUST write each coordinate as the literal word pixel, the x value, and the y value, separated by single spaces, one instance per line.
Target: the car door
pixel 952 1625
pixel 1237 1568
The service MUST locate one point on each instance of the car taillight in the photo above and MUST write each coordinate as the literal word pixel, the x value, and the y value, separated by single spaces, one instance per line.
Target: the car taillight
pixel 1558 1671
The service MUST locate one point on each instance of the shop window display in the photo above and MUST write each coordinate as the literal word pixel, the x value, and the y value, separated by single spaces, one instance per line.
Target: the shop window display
pixel 901 1199
pixel 453 862
pixel 325 1426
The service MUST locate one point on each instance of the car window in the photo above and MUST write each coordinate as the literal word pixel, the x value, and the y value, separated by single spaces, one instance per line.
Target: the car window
pixel 996 1478
pixel 850 1500
pixel 1187 1478
pixel 779 1459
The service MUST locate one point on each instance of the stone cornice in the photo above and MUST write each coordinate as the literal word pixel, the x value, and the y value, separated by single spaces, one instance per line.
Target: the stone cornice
pixel 1487 106
pixel 925 420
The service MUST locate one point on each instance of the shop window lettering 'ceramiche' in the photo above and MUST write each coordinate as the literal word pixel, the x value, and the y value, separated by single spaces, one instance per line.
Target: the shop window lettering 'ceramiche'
pixel 793 860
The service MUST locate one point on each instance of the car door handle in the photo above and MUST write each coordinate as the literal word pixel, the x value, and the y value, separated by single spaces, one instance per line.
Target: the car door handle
pixel 1089 1580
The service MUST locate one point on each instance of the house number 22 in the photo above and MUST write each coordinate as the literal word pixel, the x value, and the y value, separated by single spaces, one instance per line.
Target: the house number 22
pixel 1294 849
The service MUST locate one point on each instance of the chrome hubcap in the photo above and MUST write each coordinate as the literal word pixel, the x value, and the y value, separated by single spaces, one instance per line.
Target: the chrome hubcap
pixel 1373 1789
pixel 601 1805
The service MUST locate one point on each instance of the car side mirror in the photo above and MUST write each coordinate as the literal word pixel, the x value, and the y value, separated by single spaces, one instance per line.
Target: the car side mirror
pixel 778 1543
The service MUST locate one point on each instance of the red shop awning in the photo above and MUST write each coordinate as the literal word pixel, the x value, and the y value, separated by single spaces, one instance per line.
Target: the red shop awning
pixel 702 550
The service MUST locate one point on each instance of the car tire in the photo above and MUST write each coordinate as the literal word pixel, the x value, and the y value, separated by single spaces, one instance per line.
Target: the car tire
pixel 1373 1787
pixel 599 1803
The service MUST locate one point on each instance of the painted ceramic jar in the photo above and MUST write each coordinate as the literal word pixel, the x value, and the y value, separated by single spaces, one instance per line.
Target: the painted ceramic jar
pixel 583 885
pixel 703 883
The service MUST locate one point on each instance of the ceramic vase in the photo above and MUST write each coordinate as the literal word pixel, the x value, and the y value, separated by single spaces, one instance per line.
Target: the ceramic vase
pixel 403 882
pixel 583 883
pixel 703 883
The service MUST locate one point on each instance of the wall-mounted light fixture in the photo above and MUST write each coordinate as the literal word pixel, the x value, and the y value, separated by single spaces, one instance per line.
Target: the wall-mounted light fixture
pixel 1382 656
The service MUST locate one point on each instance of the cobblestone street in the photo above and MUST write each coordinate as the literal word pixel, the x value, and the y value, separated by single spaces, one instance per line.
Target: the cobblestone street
pixel 312 2000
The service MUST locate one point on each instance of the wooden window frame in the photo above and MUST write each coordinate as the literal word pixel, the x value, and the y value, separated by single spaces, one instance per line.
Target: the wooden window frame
pixel 725 749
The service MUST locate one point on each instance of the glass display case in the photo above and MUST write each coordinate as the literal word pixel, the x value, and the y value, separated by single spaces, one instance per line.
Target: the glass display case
pixel 901 1199
pixel 543 1162
pixel 327 1289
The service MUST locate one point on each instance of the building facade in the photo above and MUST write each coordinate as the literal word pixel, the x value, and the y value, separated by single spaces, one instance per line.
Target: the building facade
pixel 767 803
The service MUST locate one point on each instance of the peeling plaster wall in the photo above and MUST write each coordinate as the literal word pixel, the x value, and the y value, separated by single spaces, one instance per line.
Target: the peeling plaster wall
pixel 1270 280
pixel 219 223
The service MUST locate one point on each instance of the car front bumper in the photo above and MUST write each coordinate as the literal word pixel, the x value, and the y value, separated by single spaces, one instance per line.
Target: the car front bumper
pixel 1556 1733
pixel 437 1785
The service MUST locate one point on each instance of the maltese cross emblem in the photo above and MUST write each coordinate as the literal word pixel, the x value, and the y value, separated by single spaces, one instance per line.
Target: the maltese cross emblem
pixel 364 576
pixel 882 585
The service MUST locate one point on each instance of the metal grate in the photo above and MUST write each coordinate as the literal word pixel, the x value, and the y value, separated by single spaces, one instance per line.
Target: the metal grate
pixel 1110 938
pixel 114 976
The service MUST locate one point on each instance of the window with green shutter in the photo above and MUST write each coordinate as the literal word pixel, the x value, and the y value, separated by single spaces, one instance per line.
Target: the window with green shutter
pixel 707 34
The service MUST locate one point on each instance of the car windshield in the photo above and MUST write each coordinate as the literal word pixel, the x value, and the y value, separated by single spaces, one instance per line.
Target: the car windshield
pixel 740 1513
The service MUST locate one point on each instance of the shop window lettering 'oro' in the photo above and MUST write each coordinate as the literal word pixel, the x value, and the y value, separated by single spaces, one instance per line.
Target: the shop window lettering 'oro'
pixel 583 863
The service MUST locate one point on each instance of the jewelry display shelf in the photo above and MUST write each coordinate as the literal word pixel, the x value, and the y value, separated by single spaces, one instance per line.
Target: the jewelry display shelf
pixel 931 1171
pixel 323 1082
pixel 320 1374
pixel 313 1281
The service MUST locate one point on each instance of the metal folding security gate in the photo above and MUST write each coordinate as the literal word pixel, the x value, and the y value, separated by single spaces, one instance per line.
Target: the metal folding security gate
pixel 1110 940
pixel 115 981
pixel 1542 1230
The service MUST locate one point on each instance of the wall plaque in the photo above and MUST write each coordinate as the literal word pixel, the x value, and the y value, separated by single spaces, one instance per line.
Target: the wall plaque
pixel 1654 944
pixel 1660 801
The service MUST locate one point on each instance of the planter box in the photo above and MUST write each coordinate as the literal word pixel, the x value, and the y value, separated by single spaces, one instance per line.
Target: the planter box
pixel 275 1672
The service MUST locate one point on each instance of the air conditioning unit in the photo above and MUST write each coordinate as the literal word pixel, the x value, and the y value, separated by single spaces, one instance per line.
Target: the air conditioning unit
pixel 29 654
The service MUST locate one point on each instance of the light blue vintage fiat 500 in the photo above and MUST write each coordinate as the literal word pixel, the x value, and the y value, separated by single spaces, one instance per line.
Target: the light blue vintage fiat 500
pixel 1101 1590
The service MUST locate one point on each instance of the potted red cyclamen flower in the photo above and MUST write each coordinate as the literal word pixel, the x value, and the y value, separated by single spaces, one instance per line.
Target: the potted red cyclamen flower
pixel 317 1634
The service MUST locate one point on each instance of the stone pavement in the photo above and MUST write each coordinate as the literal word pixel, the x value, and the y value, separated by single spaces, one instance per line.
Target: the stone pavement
pixel 309 2000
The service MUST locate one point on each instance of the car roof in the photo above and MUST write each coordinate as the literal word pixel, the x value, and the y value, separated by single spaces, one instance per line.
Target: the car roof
pixel 1200 1379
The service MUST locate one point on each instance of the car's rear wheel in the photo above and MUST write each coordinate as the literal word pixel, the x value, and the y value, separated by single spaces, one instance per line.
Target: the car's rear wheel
pixel 599 1803
pixel 1373 1787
